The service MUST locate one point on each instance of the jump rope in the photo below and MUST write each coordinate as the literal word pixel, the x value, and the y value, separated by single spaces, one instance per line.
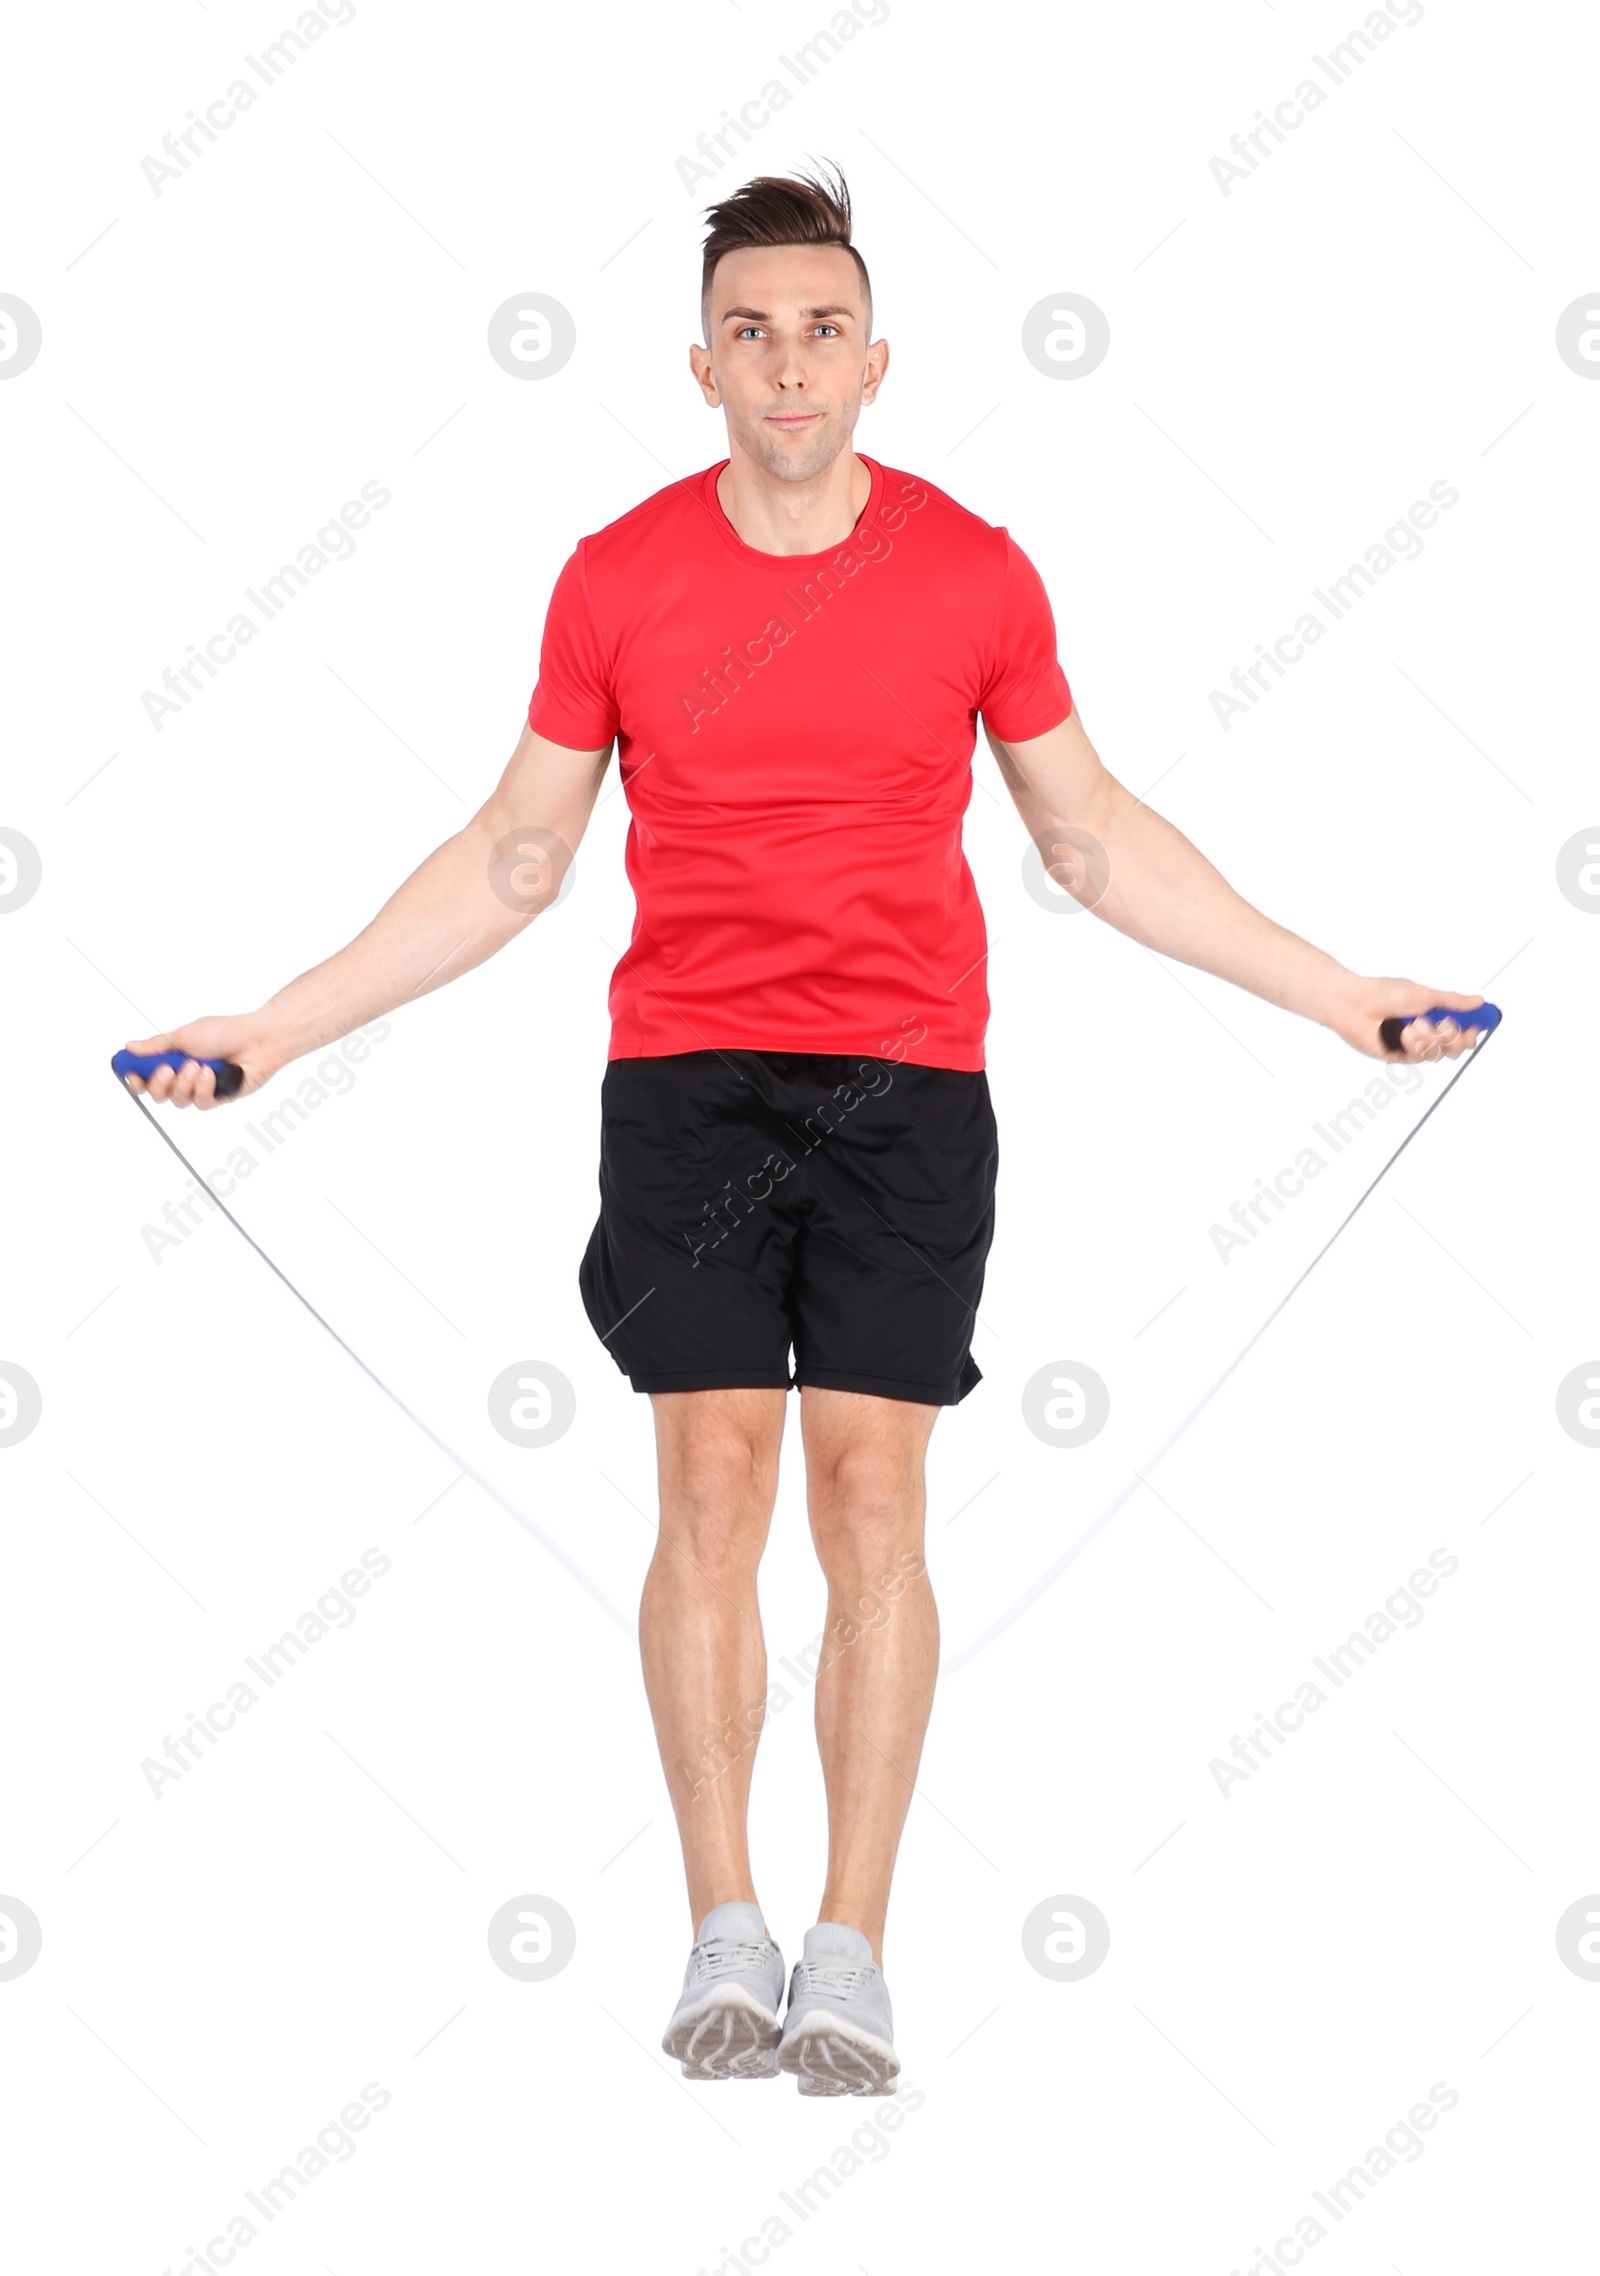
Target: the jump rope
pixel 230 1078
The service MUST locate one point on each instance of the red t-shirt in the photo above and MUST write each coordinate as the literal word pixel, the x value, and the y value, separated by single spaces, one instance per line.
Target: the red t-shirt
pixel 795 737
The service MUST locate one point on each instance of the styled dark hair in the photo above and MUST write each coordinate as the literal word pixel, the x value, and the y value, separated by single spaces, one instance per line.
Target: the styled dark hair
pixel 804 209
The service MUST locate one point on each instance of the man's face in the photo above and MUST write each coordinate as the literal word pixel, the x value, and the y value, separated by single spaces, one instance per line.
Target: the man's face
pixel 787 356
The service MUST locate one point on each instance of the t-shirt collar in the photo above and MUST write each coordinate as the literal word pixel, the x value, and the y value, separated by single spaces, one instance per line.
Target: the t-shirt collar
pixel 786 562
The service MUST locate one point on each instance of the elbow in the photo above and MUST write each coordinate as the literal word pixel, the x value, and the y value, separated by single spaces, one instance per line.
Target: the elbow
pixel 528 867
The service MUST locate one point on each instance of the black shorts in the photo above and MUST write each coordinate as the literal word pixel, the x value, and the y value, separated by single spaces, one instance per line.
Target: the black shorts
pixel 750 1200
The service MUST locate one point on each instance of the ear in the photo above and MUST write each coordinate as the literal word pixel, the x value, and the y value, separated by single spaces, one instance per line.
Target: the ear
pixel 700 365
pixel 877 365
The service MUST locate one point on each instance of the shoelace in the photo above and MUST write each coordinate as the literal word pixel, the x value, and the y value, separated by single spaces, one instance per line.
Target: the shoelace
pixel 723 1957
pixel 836 1979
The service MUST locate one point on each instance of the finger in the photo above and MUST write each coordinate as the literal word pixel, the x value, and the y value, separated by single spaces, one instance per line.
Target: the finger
pixel 183 1089
pixel 161 1082
pixel 1420 1039
pixel 205 1089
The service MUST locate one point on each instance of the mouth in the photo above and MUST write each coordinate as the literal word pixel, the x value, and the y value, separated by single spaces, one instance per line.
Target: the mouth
pixel 792 421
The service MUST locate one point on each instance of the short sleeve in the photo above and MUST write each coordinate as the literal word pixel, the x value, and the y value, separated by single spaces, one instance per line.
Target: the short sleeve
pixel 1025 691
pixel 573 703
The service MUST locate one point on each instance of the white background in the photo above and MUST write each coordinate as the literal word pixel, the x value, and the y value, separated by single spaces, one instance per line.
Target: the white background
pixel 1291 1966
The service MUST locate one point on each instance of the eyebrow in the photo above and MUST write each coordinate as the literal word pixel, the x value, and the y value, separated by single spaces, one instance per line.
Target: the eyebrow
pixel 761 315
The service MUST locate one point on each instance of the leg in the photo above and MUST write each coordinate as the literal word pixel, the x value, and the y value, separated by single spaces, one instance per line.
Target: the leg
pixel 866 1492
pixel 705 1662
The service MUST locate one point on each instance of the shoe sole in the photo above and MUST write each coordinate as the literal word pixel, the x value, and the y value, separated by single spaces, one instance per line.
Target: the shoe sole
pixel 829 2056
pixel 728 2037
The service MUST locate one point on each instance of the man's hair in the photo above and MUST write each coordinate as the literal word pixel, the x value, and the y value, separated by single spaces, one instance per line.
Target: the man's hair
pixel 776 210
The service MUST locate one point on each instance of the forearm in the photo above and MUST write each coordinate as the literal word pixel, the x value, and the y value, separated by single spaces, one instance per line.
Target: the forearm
pixel 441 922
pixel 1165 893
pixel 1140 874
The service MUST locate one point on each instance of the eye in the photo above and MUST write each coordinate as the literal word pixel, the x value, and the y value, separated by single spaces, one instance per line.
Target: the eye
pixel 746 329
pixel 833 328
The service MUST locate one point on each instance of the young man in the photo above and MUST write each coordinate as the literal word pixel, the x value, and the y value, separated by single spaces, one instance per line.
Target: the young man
pixel 791 650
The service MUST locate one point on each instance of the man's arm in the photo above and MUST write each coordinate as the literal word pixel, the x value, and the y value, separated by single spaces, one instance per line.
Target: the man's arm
pixel 444 919
pixel 1162 891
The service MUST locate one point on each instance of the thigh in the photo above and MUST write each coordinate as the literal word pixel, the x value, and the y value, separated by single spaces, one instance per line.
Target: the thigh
pixel 687 1272
pixel 855 1440
pixel 717 1462
pixel 865 1486
pixel 897 1214
pixel 736 1430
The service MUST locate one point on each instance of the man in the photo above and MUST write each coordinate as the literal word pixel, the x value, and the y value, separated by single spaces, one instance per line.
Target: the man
pixel 791 650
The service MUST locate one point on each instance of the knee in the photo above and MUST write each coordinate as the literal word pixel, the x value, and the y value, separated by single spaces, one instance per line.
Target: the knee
pixel 716 1504
pixel 866 1517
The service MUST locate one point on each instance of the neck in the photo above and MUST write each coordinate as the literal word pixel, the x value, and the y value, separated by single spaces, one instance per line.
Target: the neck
pixel 775 516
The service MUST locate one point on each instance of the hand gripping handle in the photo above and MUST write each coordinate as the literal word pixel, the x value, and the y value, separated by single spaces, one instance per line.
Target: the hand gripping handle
pixel 1487 1016
pixel 144 1064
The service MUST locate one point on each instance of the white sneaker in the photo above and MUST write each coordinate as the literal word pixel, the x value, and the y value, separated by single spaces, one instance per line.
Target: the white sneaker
pixel 725 2024
pixel 838 2036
